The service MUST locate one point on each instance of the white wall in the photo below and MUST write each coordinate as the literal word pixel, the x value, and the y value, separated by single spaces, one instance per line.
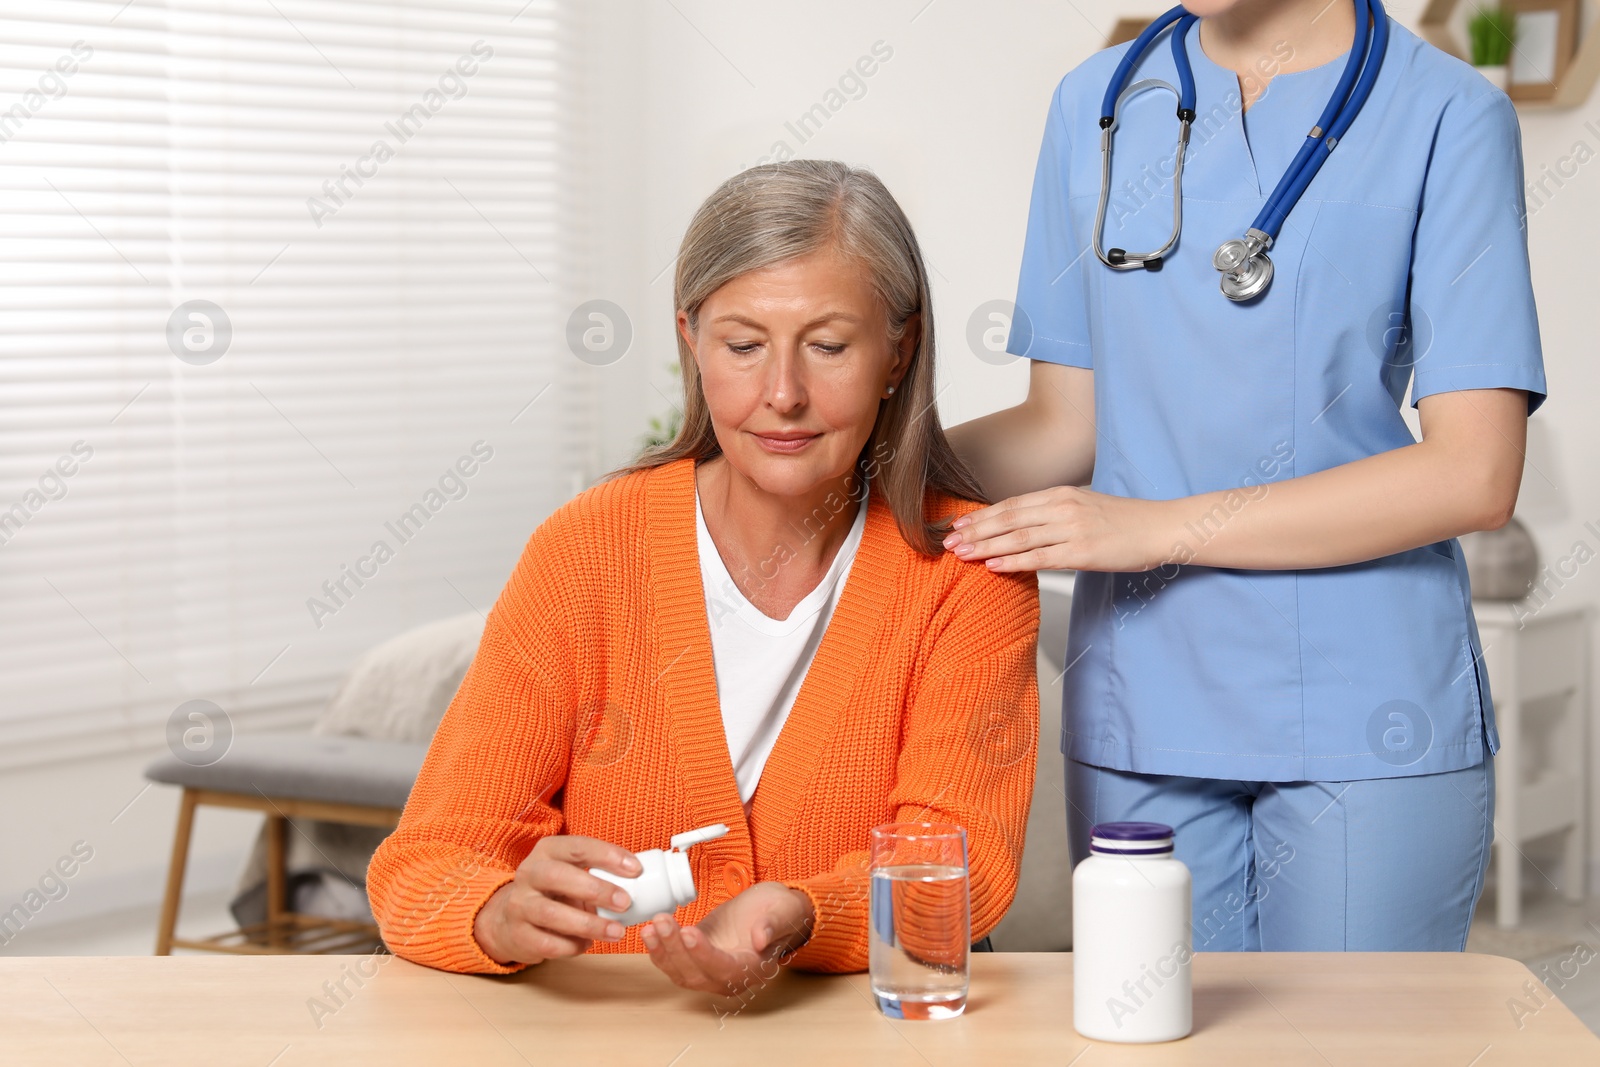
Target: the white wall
pixel 1561 483
pixel 103 807
pixel 951 122
pixel 681 95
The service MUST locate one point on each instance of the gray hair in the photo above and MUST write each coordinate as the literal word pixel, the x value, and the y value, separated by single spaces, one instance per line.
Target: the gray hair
pixel 781 211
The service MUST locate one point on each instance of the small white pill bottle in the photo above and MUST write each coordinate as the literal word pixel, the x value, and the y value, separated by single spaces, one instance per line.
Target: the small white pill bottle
pixel 665 883
pixel 1131 941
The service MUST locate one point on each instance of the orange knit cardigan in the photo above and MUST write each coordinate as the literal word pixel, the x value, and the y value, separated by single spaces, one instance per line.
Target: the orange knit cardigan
pixel 591 708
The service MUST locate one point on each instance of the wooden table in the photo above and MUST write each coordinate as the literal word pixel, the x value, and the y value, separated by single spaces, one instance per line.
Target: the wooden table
pixel 1361 1009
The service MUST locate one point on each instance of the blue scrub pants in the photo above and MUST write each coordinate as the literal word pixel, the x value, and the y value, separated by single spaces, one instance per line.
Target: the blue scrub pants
pixel 1382 864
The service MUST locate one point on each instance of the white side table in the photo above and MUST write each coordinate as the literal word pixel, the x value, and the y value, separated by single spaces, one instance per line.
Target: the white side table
pixel 1538 663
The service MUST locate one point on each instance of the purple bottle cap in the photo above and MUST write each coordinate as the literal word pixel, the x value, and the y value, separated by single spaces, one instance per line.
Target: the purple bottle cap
pixel 1131 838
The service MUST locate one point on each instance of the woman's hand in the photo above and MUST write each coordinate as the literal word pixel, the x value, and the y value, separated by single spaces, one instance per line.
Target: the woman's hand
pixel 548 909
pixel 1067 528
pixel 726 947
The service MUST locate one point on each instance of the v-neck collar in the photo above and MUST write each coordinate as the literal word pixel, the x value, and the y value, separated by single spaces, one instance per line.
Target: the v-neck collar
pixel 1328 70
pixel 683 666
pixel 1307 92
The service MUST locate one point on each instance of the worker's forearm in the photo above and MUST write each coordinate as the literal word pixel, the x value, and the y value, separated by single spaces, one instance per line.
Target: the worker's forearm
pixel 1371 507
pixel 1020 450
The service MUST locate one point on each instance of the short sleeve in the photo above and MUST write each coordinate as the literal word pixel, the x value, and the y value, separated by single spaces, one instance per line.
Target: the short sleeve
pixel 1471 301
pixel 1052 320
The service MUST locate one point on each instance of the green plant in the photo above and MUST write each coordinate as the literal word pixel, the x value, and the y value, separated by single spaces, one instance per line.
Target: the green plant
pixel 663 430
pixel 1492 31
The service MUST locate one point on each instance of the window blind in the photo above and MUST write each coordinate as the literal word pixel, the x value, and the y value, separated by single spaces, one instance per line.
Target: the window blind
pixel 283 368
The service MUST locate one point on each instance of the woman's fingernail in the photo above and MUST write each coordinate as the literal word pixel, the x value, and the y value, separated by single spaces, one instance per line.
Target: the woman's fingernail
pixel 632 864
pixel 952 541
pixel 958 523
pixel 614 931
pixel 619 900
pixel 965 550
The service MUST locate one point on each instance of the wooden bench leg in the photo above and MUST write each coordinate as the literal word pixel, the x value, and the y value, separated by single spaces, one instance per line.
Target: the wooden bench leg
pixel 1575 862
pixel 277 876
pixel 1508 885
pixel 175 869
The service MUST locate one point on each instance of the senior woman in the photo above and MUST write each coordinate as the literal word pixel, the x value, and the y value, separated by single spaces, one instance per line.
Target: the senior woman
pixel 753 625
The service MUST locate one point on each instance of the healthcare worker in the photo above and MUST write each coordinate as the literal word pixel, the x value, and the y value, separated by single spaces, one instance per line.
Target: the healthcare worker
pixel 1272 646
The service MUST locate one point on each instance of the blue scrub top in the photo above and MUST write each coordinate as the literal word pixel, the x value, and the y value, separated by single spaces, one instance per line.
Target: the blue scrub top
pixel 1363 671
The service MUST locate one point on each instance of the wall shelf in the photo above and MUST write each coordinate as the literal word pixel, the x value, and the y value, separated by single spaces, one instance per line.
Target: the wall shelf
pixel 1572 87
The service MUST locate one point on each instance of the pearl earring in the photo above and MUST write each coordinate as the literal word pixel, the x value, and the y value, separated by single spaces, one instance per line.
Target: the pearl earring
pixel 890 392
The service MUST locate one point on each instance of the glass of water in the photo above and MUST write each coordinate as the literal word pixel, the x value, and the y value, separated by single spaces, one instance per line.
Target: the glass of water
pixel 921 920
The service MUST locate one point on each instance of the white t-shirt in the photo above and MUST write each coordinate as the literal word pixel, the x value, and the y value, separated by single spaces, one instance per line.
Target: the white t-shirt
pixel 760 661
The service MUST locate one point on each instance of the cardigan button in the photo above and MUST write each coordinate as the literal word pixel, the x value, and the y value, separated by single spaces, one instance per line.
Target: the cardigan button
pixel 736 877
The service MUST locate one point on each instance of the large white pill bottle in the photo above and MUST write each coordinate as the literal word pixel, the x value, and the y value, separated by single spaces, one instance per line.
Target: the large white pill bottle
pixel 1131 942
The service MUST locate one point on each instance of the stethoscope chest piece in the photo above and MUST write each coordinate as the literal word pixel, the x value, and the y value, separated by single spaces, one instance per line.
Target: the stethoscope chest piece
pixel 1245 266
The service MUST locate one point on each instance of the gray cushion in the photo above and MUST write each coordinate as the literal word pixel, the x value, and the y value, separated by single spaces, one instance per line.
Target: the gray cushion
pixel 1040 919
pixel 1055 609
pixel 303 766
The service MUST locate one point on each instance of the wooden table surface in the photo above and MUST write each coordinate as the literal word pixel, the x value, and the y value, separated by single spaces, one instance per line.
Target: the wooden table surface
pixel 283 1011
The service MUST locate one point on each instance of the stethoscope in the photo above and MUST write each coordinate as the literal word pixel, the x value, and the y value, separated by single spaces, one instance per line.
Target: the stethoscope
pixel 1246 270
